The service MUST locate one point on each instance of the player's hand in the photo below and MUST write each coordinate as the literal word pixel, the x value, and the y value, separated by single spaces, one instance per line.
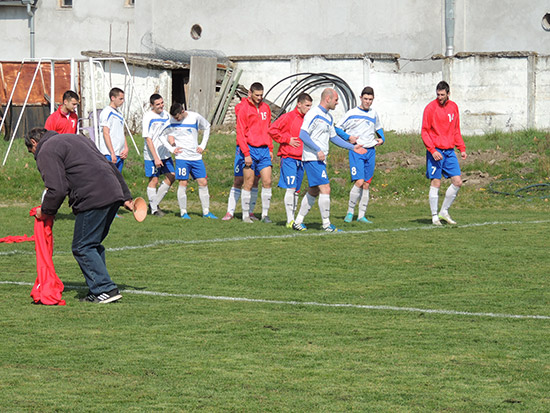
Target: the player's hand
pixel 158 163
pixel 248 161
pixel 379 142
pixel 129 205
pixel 437 156
pixel 359 150
pixel 178 150
pixel 321 156
pixel 200 150
pixel 294 142
pixel 124 153
pixel 113 157
pixel 463 155
pixel 271 155
pixel 353 140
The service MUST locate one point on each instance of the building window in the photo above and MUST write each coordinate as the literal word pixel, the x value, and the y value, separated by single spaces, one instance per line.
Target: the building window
pixel 129 3
pixel 546 22
pixel 66 4
pixel 196 31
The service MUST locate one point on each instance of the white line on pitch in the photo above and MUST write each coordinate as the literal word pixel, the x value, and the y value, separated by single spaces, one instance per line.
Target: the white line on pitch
pixel 310 303
pixel 286 236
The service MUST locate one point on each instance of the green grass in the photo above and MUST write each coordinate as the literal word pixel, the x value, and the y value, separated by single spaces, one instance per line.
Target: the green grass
pixel 185 352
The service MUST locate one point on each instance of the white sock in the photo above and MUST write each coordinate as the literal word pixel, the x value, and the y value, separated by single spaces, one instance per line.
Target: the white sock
pixel 151 193
pixel 296 197
pixel 289 204
pixel 307 202
pixel 245 202
pixel 253 199
pixel 161 192
pixel 204 196
pixel 354 196
pixel 232 200
pixel 450 196
pixel 434 199
pixel 266 201
pixel 324 207
pixel 363 204
pixel 182 199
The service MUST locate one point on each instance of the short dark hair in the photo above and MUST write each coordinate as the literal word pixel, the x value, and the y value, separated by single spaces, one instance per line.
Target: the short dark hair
pixel 367 90
pixel 256 86
pixel 176 109
pixel 35 134
pixel 114 92
pixel 442 86
pixel 69 94
pixel 303 97
pixel 154 97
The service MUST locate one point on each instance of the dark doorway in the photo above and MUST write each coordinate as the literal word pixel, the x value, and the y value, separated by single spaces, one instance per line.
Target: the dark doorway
pixel 180 86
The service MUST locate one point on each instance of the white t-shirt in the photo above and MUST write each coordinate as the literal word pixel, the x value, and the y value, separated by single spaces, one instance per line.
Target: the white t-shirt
pixel 363 124
pixel 318 123
pixel 153 124
pixel 186 135
pixel 112 119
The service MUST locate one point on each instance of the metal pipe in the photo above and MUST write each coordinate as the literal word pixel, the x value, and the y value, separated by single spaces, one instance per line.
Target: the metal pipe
pixel 30 12
pixel 450 27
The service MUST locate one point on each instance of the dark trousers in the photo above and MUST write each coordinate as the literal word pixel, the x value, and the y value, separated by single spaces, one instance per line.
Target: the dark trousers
pixel 90 229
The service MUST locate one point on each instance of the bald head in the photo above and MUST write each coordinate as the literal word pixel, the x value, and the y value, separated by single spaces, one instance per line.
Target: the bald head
pixel 329 98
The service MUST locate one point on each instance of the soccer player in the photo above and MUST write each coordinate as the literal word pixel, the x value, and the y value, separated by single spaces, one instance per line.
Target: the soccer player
pixel 112 142
pixel 253 120
pixel 157 159
pixel 440 134
pixel 316 132
pixel 64 119
pixel 180 136
pixel 286 131
pixel 361 125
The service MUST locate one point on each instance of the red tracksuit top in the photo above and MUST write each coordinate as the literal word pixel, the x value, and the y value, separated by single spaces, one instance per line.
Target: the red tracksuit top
pixel 441 127
pixel 252 125
pixel 284 128
pixel 60 123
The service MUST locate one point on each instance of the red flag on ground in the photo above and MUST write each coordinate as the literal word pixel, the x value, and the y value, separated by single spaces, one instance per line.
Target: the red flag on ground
pixel 48 288
pixel 16 238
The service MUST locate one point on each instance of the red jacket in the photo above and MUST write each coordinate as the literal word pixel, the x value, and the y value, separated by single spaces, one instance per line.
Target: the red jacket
pixel 284 128
pixel 441 127
pixel 252 125
pixel 62 123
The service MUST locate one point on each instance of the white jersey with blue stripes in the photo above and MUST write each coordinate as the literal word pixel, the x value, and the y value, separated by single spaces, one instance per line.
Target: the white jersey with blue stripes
pixel 153 125
pixel 111 118
pixel 363 124
pixel 186 135
pixel 318 123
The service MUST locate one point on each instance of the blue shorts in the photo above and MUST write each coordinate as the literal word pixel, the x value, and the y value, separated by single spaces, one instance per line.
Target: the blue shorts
pixel 261 158
pixel 119 162
pixel 238 164
pixel 152 171
pixel 292 173
pixel 362 166
pixel 185 168
pixel 316 173
pixel 448 165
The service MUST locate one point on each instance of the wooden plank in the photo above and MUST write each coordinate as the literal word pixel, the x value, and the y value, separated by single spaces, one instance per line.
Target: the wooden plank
pixel 221 95
pixel 202 84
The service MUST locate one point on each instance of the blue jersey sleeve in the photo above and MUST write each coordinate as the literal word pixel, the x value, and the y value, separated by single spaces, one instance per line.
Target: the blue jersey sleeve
pixel 306 139
pixel 342 133
pixel 341 143
pixel 380 133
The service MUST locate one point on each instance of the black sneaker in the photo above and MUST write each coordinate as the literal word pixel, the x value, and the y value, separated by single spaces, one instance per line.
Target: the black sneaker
pixel 159 213
pixel 104 298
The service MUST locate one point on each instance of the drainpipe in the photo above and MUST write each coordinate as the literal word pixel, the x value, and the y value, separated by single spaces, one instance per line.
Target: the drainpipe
pixel 30 12
pixel 450 27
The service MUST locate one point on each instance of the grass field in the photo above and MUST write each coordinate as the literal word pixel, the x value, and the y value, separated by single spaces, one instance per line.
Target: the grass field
pixel 222 316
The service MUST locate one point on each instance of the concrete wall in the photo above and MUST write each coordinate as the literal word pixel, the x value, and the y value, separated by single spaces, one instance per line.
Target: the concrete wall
pixel 493 92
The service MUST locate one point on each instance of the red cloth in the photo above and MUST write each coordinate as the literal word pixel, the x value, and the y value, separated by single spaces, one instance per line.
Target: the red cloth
pixel 284 128
pixel 48 288
pixel 441 127
pixel 62 123
pixel 16 238
pixel 252 125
